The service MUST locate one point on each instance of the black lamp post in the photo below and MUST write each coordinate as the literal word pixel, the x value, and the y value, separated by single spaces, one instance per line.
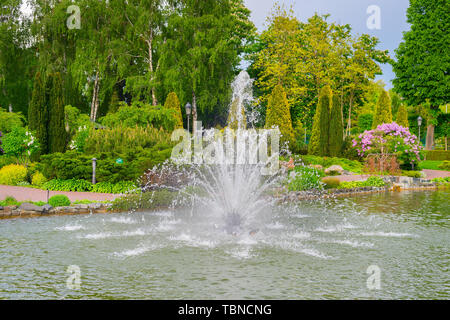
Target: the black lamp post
pixel 419 122
pixel 188 113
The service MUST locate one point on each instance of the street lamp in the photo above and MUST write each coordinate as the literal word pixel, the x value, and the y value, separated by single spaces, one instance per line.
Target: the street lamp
pixel 419 122
pixel 188 113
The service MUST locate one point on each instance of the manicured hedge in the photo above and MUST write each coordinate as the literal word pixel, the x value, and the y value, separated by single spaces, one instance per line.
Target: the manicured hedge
pixel 437 155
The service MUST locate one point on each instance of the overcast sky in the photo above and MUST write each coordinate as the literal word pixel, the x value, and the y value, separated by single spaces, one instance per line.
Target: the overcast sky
pixel 353 12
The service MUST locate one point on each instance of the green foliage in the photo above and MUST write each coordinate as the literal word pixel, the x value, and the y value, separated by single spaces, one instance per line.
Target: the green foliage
pixel 412 174
pixel 120 187
pixel 59 200
pixel 372 181
pixel 38 112
pixel 437 155
pixel 326 162
pixel 336 130
pixel 278 114
pixel 300 147
pixel 38 179
pixel 75 120
pixel 172 103
pixel 75 165
pixel 318 144
pixel 10 120
pixel 9 201
pixel 422 62
pixel 442 181
pixel 402 116
pixel 56 126
pixel 383 112
pixel 122 139
pixel 143 115
pixel 86 186
pixel 331 183
pixel 445 166
pixel 365 121
pixel 67 185
pixel 305 178
pixel 159 199
pixel 20 144
pixel 5 160
pixel 12 174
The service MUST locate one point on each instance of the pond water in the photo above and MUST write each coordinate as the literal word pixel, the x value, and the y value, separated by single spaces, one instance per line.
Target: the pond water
pixel 313 250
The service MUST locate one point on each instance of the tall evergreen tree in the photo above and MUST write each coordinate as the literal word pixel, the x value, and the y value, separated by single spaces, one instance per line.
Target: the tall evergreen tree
pixel 336 132
pixel 173 103
pixel 318 144
pixel 402 116
pixel 38 113
pixel 383 112
pixel 56 129
pixel 423 60
pixel 278 114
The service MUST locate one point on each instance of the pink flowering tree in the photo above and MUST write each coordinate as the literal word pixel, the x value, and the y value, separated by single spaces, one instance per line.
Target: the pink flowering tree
pixel 390 138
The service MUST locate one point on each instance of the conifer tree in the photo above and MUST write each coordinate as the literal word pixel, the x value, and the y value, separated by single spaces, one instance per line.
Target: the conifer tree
pixel 56 129
pixel 383 112
pixel 236 121
pixel 38 113
pixel 336 132
pixel 279 115
pixel 318 144
pixel 173 103
pixel 402 116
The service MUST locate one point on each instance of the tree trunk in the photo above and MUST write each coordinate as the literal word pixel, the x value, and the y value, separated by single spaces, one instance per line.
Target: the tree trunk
pixel 430 137
pixel 194 112
pixel 150 66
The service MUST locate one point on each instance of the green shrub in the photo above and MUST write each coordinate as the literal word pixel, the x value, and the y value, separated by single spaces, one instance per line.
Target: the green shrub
pixel 122 139
pixel 59 200
pixel 173 103
pixel 441 181
pixel 9 201
pixel 38 179
pixel 365 121
pixel 67 185
pixel 142 115
pixel 437 155
pixel 10 120
pixel 6 160
pixel 318 145
pixel 412 174
pixel 76 165
pixel 149 200
pixel 346 164
pixel 120 187
pixel 12 174
pixel 445 166
pixel 372 181
pixel 331 183
pixel 305 178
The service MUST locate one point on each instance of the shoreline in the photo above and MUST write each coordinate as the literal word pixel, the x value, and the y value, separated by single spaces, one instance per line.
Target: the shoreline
pixel 13 212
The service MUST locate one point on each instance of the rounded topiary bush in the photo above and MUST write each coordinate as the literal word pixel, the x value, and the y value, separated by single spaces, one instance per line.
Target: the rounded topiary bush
pixel 38 179
pixel 331 183
pixel 59 200
pixel 12 174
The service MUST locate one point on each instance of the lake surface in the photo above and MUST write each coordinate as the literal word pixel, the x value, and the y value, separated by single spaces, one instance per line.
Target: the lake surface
pixel 311 250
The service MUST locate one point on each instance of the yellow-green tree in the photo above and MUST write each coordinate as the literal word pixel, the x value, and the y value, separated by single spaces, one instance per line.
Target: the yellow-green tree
pixel 383 113
pixel 402 116
pixel 278 114
pixel 173 103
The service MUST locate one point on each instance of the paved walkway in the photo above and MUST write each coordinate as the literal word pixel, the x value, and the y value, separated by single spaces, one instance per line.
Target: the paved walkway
pixel 30 194
pixel 429 174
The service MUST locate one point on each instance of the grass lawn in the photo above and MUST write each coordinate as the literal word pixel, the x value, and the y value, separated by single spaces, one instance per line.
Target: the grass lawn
pixel 429 164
